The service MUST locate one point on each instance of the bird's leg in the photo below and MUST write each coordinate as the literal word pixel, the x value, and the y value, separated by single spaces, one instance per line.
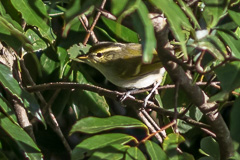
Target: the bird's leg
pixel 150 94
pixel 128 94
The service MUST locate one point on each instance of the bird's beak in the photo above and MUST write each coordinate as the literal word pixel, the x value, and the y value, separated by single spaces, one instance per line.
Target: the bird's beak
pixel 81 58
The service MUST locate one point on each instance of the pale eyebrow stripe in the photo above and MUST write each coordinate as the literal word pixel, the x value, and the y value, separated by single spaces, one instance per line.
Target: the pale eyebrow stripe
pixel 109 49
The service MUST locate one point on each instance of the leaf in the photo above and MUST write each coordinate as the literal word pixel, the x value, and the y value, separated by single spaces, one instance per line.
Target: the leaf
pixel 171 143
pixel 232 42
pixel 6 5
pixel 61 102
pixel 235 16
pixel 178 24
pixel 54 9
pixel 118 6
pixel 210 147
pixel 121 31
pixel 10 84
pixel 195 114
pixel 212 44
pixel 134 153
pixel 155 151
pixel 189 12
pixel 25 143
pixel 49 62
pixel 229 75
pixel 99 141
pixel 105 33
pixel 234 121
pixel 77 50
pixel 13 37
pixel 78 7
pixel 5 106
pixel 34 13
pixel 95 103
pixel 92 125
pixel 3 156
pixel 144 27
pixel 111 152
pixel 213 11
pixel 37 42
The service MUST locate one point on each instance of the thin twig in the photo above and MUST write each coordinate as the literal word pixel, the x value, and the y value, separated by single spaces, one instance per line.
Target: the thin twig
pixel 94 23
pixel 175 106
pixel 149 125
pixel 162 129
pixel 83 19
pixel 229 59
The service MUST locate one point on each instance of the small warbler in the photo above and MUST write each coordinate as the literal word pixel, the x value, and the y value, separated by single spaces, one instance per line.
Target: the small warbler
pixel 121 64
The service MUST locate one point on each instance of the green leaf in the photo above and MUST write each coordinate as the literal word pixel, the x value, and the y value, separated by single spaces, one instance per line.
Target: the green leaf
pixel 118 6
pixel 49 62
pixel 229 75
pixel 99 141
pixel 213 11
pixel 5 106
pixel 10 84
pixel 235 16
pixel 37 42
pixel 134 153
pixel 13 37
pixel 111 152
pixel 77 50
pixel 178 24
pixel 144 27
pixel 183 156
pixel 3 156
pixel 234 121
pixel 212 44
pixel 195 114
pixel 54 9
pixel 25 143
pixel 237 32
pixel 210 147
pixel 34 13
pixel 95 103
pixel 6 5
pixel 121 31
pixel 232 42
pixel 105 33
pixel 61 102
pixel 171 143
pixel 190 14
pixel 78 7
pixel 155 151
pixel 92 125
pixel 206 158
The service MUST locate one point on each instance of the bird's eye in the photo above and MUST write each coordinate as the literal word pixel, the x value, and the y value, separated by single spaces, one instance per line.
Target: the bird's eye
pixel 99 54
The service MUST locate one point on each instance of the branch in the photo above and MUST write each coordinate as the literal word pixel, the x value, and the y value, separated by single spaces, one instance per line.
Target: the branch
pixel 197 96
pixel 115 95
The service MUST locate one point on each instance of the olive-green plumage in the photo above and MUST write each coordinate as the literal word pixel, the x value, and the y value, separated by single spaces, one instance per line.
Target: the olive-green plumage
pixel 121 64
